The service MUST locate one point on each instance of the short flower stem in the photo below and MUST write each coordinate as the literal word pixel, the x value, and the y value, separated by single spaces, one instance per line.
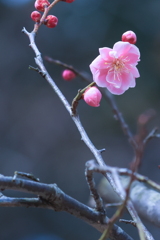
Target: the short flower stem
pixel 53 3
pixel 79 97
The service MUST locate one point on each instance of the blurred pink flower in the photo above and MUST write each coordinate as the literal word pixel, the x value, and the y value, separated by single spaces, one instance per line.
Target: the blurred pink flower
pixel 68 75
pixel 115 68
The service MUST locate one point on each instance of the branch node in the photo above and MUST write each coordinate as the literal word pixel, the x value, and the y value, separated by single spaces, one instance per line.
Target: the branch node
pixel 133 223
pixel 102 150
pixel 27 175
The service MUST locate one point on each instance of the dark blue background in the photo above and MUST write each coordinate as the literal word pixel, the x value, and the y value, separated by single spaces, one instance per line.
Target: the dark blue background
pixel 36 133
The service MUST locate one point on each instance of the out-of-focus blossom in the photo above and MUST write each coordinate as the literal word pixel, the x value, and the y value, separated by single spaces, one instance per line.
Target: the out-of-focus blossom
pixel 130 37
pixel 68 1
pixel 92 96
pixel 115 68
pixel 68 75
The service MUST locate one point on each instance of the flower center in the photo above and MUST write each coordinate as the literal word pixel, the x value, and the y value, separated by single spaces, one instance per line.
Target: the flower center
pixel 117 66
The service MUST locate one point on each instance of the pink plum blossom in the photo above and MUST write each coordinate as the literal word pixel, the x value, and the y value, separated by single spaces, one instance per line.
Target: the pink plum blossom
pixel 115 68
pixel 92 96
pixel 68 75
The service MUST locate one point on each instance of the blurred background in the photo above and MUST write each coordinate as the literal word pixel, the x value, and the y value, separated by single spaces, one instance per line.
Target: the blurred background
pixel 36 132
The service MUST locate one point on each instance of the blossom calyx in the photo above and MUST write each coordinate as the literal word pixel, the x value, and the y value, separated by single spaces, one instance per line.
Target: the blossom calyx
pixel 40 4
pixel 51 21
pixel 130 37
pixel 92 96
pixel 36 16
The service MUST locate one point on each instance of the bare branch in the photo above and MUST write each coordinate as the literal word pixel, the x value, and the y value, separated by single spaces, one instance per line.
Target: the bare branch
pixel 128 222
pixel 152 134
pixel 145 199
pixel 52 197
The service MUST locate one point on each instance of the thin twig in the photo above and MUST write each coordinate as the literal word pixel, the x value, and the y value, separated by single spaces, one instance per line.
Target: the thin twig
pixel 128 222
pixel 152 134
pixel 123 171
pixel 79 97
pixel 94 193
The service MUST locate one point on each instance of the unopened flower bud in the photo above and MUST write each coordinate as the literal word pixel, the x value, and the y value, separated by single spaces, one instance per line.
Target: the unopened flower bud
pixel 36 16
pixel 40 4
pixel 68 75
pixel 51 21
pixel 130 37
pixel 68 1
pixel 92 96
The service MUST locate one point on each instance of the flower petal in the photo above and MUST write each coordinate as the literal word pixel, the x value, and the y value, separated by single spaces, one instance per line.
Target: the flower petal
pixel 98 63
pixel 114 79
pixel 127 80
pixel 127 51
pixel 113 90
pixel 133 70
pixel 93 70
pixel 104 52
pixel 121 48
pixel 100 78
pixel 134 50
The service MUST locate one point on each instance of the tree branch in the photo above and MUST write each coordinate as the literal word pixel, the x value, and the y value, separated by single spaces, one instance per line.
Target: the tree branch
pixel 145 199
pixel 52 197
pixel 84 135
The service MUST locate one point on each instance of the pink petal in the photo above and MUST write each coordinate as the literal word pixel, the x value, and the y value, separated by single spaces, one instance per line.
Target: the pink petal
pixel 132 55
pixel 98 63
pixel 127 80
pixel 121 48
pixel 127 51
pixel 93 69
pixel 133 70
pixel 113 90
pixel 104 52
pixel 134 50
pixel 100 78
pixel 114 79
pixel 132 83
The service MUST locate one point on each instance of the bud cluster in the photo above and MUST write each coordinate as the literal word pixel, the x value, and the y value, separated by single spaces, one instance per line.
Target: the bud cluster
pixel 51 20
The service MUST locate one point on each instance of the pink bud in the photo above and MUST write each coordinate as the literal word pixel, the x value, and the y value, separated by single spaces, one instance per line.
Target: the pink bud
pixel 68 1
pixel 36 16
pixel 92 96
pixel 40 4
pixel 68 75
pixel 130 37
pixel 51 21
